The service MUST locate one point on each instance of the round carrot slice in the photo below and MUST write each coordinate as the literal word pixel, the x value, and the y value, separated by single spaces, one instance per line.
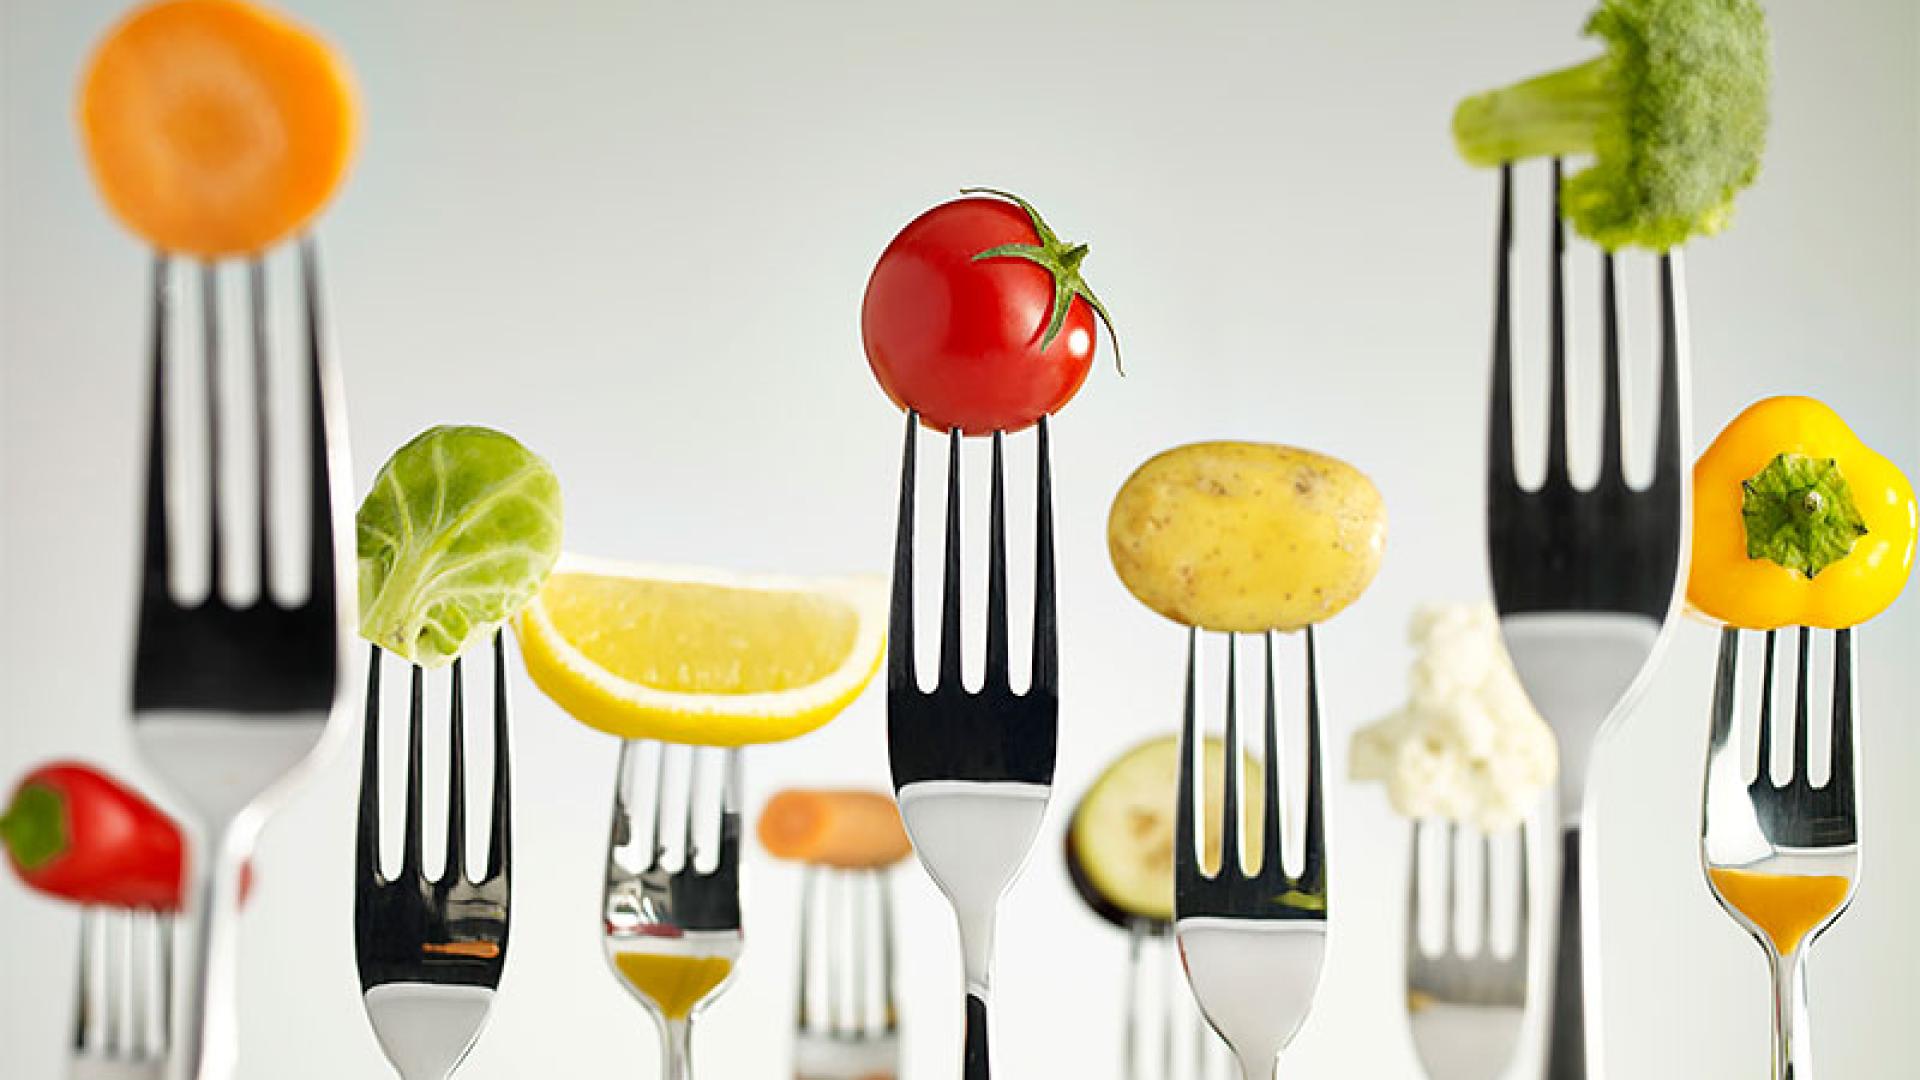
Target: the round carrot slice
pixel 851 830
pixel 215 127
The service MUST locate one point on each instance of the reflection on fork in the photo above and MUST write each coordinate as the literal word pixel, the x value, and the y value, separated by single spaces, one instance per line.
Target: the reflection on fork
pixel 1465 1002
pixel 671 912
pixel 1783 856
pixel 123 1001
pixel 847 1015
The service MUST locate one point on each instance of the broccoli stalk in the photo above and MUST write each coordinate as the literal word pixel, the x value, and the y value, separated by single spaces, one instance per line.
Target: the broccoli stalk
pixel 1674 114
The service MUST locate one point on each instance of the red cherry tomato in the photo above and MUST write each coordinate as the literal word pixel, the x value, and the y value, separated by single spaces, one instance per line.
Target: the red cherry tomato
pixel 977 318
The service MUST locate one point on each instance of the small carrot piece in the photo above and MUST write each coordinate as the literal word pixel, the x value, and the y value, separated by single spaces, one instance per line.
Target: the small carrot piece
pixel 851 830
pixel 215 127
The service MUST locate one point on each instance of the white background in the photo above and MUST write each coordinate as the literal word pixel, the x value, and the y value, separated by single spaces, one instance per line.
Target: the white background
pixel 636 235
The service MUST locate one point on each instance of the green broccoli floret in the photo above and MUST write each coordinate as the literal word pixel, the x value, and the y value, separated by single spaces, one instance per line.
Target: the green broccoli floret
pixel 1674 114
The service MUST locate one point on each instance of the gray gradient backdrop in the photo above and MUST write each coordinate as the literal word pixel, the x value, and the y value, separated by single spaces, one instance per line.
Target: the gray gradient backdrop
pixel 636 235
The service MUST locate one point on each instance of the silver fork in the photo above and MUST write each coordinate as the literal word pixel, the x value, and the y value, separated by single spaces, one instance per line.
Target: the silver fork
pixel 431 950
pixel 847 1019
pixel 1586 580
pixel 1465 1008
pixel 973 769
pixel 229 700
pixel 1253 942
pixel 672 927
pixel 1150 1025
pixel 123 1001
pixel 1779 833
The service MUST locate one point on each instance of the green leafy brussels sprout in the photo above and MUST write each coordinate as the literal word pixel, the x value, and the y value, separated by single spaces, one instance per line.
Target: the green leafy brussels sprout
pixel 460 529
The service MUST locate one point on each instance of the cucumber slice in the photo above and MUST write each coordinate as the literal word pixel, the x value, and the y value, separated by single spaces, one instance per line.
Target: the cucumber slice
pixel 1120 843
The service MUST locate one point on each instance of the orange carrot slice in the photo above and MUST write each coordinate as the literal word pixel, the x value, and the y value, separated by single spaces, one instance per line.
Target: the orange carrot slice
pixel 215 127
pixel 852 830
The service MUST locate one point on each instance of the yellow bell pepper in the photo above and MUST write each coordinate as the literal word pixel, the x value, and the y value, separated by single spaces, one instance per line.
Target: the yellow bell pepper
pixel 1797 522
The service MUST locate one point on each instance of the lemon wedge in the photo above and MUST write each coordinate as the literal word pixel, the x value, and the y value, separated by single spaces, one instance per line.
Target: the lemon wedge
pixel 701 656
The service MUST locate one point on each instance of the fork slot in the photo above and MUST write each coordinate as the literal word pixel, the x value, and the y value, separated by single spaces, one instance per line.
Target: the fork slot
pixel 1559 471
pixel 950 661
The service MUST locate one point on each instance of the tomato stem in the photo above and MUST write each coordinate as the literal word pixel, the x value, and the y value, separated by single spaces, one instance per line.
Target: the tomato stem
pixel 1058 259
pixel 34 827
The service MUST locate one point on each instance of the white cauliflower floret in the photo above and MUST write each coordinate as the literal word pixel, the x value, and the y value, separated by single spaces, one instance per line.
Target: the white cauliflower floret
pixel 1468 745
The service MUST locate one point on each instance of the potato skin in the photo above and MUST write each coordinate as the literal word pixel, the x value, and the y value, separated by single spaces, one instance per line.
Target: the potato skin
pixel 1246 537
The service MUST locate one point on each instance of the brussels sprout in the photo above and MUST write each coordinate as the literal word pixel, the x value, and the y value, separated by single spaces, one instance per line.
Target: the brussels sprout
pixel 460 529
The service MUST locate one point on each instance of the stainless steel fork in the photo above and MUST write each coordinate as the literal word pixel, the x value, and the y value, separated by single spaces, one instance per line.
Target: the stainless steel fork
pixel 1253 942
pixel 1465 1007
pixel 431 950
pixel 1585 580
pixel 671 925
pixel 973 769
pixel 1766 839
pixel 123 997
pixel 847 1016
pixel 1154 1022
pixel 229 700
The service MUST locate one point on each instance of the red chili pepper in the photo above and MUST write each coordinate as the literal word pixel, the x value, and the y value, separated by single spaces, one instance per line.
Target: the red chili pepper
pixel 77 833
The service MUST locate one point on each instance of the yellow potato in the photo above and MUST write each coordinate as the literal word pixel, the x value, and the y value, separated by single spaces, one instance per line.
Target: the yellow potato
pixel 1246 536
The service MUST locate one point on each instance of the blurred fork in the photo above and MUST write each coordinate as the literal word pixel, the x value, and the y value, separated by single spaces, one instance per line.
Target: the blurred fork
pixel 973 769
pixel 846 1021
pixel 1150 1025
pixel 1465 1008
pixel 430 950
pixel 1253 943
pixel 1778 832
pixel 673 926
pixel 123 1001
pixel 229 700
pixel 1585 580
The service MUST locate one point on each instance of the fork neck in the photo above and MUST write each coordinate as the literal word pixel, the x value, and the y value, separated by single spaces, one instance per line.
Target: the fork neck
pixel 676 1048
pixel 1792 1051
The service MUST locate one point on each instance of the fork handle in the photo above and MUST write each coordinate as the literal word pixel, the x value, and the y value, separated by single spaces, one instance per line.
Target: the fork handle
pixel 208 1029
pixel 977 1066
pixel 1567 1037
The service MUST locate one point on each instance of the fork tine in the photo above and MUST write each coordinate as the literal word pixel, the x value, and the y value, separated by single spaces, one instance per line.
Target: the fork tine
pixel 1230 811
pixel 210 344
pixel 998 673
pixel 456 865
pixel 83 983
pixel 416 721
pixel 1450 894
pixel 164 927
pixel 1612 455
pixel 1186 861
pixel 1486 893
pixel 950 599
pixel 1726 687
pixel 1765 740
pixel 1414 891
pixel 1130 1033
pixel 855 888
pixel 1271 860
pixel 834 939
pixel 320 570
pixel 809 881
pixel 262 442
pixel 1523 922
pixel 155 589
pixel 1840 772
pixel 1046 638
pixel 900 673
pixel 1802 691
pixel 889 1004
pixel 657 848
pixel 1667 465
pixel 1313 866
pixel 1558 468
pixel 500 831
pixel 367 831
pixel 1502 478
